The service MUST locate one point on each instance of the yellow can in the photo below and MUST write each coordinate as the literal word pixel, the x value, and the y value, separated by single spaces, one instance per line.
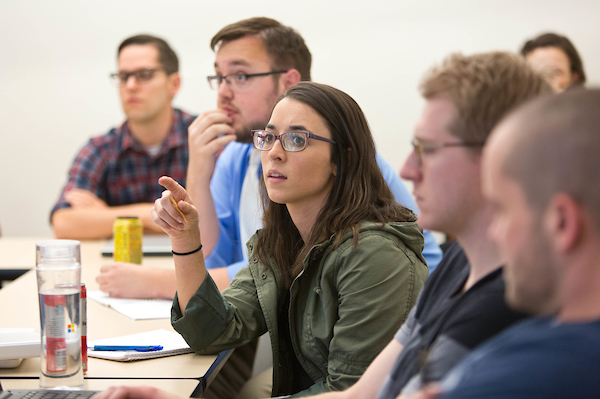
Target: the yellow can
pixel 127 233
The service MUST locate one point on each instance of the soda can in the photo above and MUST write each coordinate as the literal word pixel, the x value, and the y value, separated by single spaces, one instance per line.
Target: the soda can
pixel 83 307
pixel 56 345
pixel 127 232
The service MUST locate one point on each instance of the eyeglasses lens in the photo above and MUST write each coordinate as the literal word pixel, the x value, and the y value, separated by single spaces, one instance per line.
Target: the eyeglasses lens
pixel 141 76
pixel 263 141
pixel 293 141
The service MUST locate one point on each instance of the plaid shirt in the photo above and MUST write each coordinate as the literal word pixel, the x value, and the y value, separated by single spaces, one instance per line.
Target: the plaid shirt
pixel 119 171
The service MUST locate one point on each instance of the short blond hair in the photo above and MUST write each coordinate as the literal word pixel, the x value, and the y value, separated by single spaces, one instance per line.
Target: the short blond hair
pixel 483 88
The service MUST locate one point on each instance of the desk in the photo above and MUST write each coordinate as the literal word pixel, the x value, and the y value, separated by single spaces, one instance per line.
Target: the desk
pixel 20 309
pixel 16 256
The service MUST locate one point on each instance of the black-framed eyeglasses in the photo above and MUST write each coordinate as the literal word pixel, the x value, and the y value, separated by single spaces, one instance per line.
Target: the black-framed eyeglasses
pixel 290 141
pixel 141 75
pixel 238 80
pixel 429 147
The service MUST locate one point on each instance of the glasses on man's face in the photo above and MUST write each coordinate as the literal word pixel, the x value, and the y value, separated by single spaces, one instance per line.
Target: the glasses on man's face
pixel 429 147
pixel 290 141
pixel 140 75
pixel 238 80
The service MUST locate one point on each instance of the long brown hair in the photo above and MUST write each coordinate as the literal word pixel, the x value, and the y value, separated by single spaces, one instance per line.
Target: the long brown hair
pixel 359 191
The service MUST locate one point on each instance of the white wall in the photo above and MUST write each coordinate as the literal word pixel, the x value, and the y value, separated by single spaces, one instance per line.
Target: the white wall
pixel 55 57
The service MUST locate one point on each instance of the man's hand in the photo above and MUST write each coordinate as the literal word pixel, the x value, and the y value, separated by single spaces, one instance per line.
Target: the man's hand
pixel 128 280
pixel 130 392
pixel 79 198
pixel 207 137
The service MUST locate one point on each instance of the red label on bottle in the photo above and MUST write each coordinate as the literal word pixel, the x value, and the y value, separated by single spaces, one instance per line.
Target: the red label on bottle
pixel 56 344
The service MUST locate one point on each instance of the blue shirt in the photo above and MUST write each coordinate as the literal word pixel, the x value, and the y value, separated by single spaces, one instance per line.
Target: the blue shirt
pixel 537 358
pixel 226 188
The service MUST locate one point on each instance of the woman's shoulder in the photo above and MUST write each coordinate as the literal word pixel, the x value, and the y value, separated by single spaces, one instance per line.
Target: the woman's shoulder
pixel 401 234
pixel 393 229
pixel 374 237
pixel 381 250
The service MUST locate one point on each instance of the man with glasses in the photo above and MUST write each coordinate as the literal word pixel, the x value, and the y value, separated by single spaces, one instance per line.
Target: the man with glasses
pixel 116 174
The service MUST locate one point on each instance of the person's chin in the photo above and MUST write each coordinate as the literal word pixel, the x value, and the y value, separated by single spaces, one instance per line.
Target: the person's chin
pixel 425 222
pixel 135 114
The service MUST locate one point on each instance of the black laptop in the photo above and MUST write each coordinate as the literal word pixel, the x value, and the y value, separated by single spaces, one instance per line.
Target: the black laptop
pixel 45 394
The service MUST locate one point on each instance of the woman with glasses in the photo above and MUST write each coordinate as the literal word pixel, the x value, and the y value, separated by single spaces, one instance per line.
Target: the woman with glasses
pixel 337 267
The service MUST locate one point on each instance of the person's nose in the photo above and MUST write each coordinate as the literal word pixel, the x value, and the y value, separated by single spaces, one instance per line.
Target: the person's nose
pixel 131 82
pixel 225 89
pixel 411 169
pixel 277 152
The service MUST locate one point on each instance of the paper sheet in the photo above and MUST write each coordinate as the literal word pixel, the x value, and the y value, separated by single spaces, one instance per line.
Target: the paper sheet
pixel 172 342
pixel 136 309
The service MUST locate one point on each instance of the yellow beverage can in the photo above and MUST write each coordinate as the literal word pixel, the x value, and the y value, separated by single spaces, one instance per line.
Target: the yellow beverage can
pixel 127 234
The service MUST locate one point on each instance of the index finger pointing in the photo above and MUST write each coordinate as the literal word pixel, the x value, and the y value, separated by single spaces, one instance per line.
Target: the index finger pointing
pixel 177 192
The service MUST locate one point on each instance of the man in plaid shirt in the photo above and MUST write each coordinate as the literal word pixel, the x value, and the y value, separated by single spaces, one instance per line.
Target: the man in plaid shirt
pixel 116 174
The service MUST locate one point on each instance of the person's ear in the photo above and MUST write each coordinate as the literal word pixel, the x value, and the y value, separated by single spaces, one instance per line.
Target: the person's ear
pixel 174 83
pixel 564 222
pixel 290 78
pixel 575 78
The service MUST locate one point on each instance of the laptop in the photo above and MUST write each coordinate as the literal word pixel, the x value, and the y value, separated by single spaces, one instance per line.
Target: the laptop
pixel 45 394
pixel 152 245
pixel 17 344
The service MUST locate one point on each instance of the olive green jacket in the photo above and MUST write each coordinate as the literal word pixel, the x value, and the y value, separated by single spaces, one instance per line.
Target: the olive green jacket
pixel 345 306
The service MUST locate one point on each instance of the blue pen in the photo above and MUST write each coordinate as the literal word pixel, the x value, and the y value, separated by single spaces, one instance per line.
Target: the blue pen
pixel 148 348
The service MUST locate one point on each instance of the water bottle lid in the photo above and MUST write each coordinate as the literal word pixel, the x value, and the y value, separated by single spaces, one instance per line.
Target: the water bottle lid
pixel 51 251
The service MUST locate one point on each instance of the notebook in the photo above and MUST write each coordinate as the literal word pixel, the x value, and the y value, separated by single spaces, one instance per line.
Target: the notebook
pixel 136 309
pixel 17 344
pixel 172 343
pixel 152 245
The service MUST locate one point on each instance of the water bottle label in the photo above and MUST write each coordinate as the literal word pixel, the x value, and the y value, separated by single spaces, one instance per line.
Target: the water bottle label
pixel 56 345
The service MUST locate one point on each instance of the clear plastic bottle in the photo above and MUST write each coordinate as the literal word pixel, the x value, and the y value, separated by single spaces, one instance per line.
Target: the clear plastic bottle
pixel 58 268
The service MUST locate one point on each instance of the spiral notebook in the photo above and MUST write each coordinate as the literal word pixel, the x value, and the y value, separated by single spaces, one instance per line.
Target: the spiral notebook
pixel 172 343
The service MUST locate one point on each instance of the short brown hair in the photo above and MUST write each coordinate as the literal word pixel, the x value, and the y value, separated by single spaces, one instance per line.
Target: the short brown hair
pixel 166 56
pixel 560 42
pixel 483 88
pixel 285 46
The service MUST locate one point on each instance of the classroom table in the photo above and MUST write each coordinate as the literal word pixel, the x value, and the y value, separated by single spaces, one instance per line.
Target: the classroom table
pixel 16 257
pixel 19 309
